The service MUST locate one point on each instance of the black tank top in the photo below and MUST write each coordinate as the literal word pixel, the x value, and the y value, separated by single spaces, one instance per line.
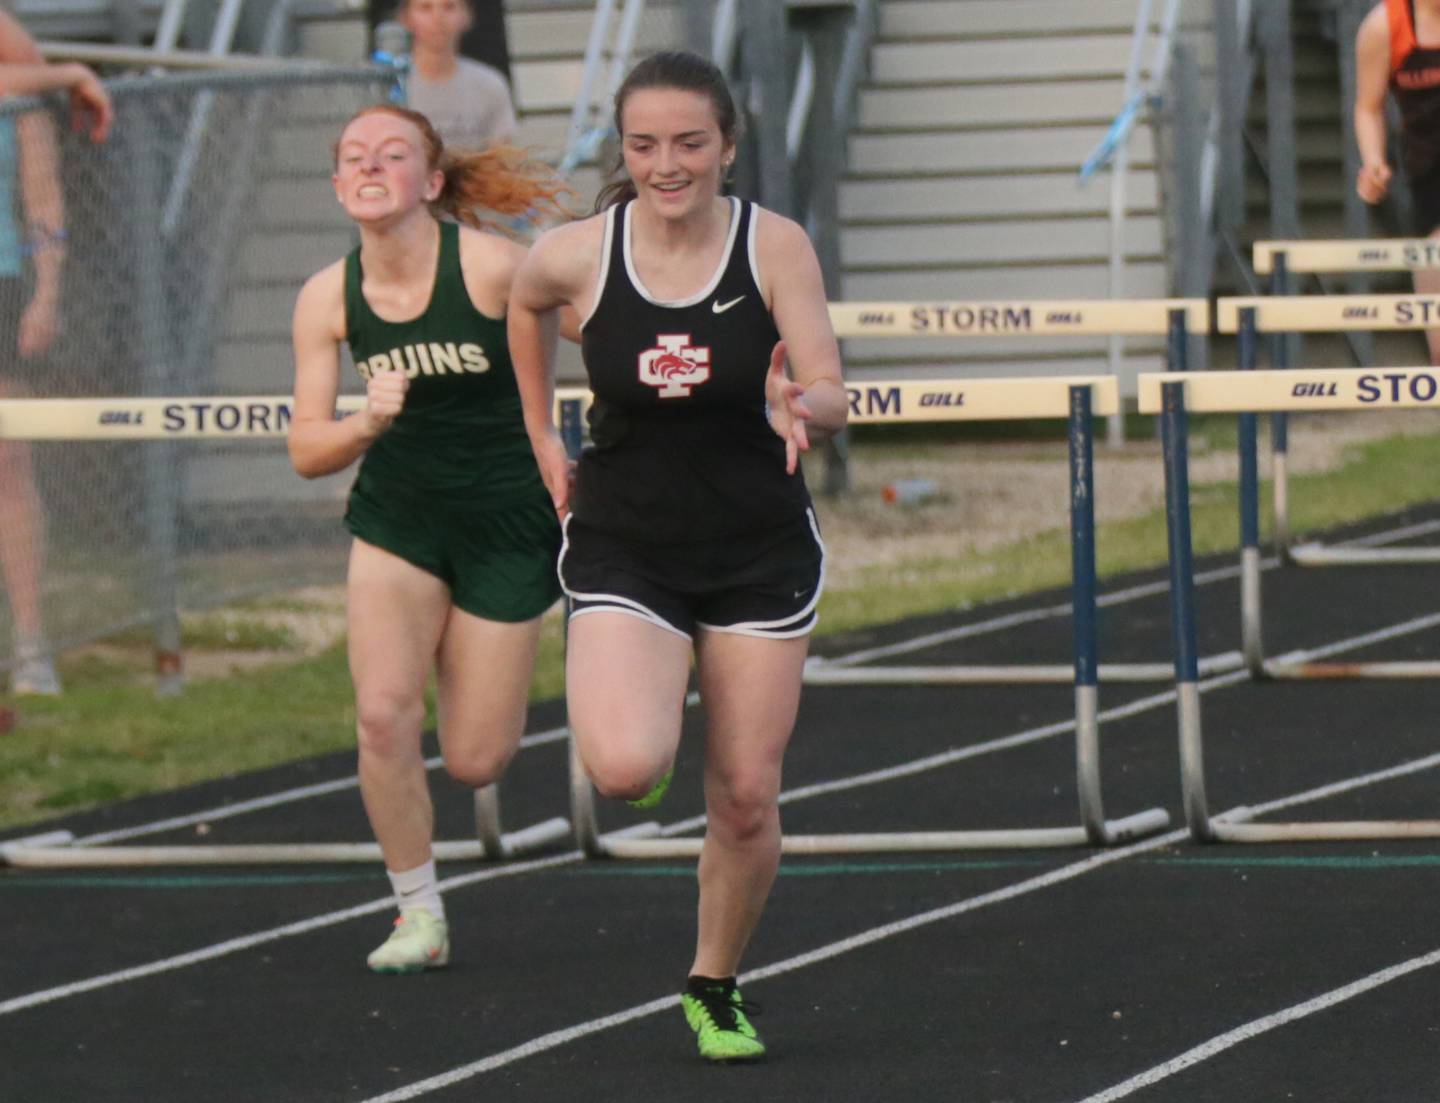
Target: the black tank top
pixel 1415 84
pixel 681 449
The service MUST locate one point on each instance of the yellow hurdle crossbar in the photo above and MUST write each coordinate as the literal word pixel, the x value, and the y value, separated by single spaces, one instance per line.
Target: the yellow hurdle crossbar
pixel 1330 313
pixel 1020 318
pixel 1295 389
pixel 1387 254
pixel 256 416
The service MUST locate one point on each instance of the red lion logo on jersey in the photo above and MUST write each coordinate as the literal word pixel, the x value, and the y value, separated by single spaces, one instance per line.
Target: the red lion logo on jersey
pixel 673 367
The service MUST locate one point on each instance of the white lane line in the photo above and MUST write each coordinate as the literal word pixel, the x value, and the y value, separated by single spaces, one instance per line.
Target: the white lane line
pixel 902 926
pixel 1029 616
pixel 1379 635
pixel 1063 609
pixel 554 735
pixel 1231 1038
pixel 1337 787
pixel 558 1038
pixel 1422 528
pixel 221 949
pixel 180 961
pixel 260 938
pixel 285 796
pixel 972 750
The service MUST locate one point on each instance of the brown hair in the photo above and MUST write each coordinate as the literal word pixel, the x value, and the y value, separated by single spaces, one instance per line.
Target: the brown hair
pixel 503 179
pixel 685 72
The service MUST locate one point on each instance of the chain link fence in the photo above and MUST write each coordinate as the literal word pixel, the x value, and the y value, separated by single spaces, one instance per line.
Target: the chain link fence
pixel 186 238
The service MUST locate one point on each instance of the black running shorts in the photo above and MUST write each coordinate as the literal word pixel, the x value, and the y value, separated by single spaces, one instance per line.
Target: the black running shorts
pixel 761 584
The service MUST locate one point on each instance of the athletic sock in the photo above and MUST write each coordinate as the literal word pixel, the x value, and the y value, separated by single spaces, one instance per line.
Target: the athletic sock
pixel 695 983
pixel 418 888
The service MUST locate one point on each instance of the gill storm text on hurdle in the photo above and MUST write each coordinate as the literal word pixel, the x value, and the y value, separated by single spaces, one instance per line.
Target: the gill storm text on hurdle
pixel 963 318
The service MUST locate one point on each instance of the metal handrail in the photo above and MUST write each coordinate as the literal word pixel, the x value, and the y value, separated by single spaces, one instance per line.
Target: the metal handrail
pixel 852 61
pixel 1114 150
pixel 139 57
pixel 222 38
pixel 584 97
pixel 1136 98
pixel 725 34
pixel 1210 157
pixel 172 16
pixel 584 137
pixel 800 101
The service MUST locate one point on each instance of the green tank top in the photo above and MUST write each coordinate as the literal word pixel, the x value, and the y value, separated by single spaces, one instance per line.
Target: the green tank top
pixel 461 431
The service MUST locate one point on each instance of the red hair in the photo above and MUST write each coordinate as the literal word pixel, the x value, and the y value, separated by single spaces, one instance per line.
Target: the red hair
pixel 504 179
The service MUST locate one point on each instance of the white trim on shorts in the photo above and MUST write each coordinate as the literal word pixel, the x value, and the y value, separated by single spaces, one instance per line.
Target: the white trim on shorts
pixel 613 603
pixel 779 629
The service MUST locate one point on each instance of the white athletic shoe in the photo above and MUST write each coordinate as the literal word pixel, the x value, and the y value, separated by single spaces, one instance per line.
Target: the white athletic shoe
pixel 35 677
pixel 419 941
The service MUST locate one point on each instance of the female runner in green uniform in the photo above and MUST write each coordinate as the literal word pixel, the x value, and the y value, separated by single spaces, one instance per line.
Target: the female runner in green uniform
pixel 455 537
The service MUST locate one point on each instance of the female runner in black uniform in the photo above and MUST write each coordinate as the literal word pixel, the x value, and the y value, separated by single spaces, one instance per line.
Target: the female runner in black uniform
pixel 690 528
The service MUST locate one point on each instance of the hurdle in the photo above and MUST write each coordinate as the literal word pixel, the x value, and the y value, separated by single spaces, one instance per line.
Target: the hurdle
pixel 1277 260
pixel 214 417
pixel 1076 399
pixel 1321 389
pixel 1171 397
pixel 1174 318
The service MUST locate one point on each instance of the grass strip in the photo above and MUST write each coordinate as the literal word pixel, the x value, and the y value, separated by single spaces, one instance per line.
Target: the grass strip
pixel 108 737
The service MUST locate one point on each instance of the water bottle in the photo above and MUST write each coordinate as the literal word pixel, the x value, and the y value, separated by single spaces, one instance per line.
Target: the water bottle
pixel 392 48
pixel 910 492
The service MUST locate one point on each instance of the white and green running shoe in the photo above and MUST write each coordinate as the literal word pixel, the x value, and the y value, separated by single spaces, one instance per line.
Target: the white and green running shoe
pixel 717 1014
pixel 419 941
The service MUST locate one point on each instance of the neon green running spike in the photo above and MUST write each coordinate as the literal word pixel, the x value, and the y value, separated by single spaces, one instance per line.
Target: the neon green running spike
pixel 717 1013
pixel 656 795
pixel 418 942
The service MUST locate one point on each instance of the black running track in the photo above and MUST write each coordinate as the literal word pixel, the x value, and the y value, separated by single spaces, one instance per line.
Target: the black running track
pixel 1164 970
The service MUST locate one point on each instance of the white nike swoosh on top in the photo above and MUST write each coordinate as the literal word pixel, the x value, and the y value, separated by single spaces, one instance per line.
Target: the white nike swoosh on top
pixel 720 308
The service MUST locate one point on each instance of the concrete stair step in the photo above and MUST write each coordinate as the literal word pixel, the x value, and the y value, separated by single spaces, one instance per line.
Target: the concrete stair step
pixel 982 350
pixel 924 19
pixel 260 312
pixel 299 200
pixel 1001 104
pixel 878 372
pixel 565 32
pixel 982 61
pixel 966 153
pixel 982 197
pixel 346 42
pixel 210 478
pixel 1029 242
pixel 292 256
pixel 546 85
pixel 1331 350
pixel 1144 280
pixel 267 365
pixel 88 20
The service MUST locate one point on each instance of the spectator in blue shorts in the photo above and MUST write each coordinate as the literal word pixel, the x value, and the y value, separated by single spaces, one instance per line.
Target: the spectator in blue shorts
pixel 32 256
